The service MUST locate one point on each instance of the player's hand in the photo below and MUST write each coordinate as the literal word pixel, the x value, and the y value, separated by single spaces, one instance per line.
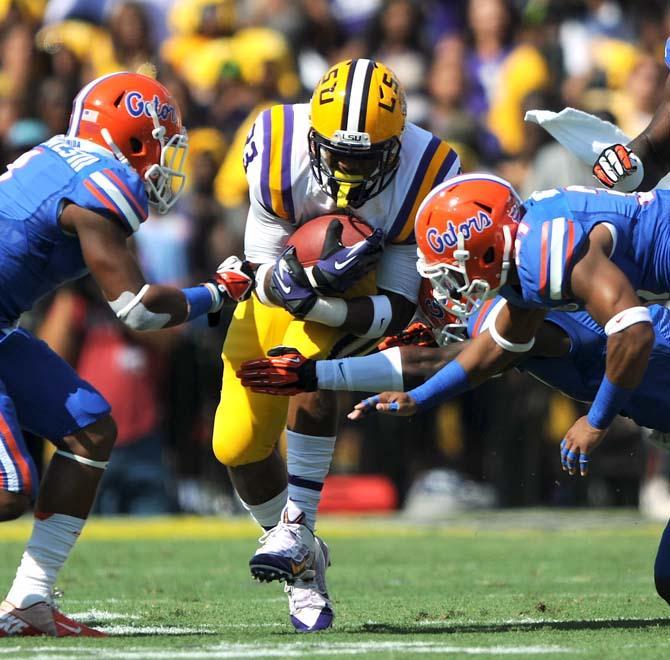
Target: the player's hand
pixel 340 267
pixel 284 372
pixel 576 447
pixel 234 281
pixel 290 286
pixel 613 164
pixel 416 334
pixel 391 403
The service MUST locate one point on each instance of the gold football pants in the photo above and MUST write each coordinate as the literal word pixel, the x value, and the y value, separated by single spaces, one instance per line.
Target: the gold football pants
pixel 247 425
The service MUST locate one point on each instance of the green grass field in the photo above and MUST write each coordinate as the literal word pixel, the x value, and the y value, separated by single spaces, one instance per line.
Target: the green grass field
pixel 515 584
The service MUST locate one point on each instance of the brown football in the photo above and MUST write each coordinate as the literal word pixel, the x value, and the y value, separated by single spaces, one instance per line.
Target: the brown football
pixel 309 238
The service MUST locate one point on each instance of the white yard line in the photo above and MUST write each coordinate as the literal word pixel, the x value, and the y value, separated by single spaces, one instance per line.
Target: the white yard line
pixel 292 650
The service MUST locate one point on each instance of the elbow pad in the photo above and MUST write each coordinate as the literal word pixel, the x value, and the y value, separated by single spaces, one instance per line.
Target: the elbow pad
pixel 129 309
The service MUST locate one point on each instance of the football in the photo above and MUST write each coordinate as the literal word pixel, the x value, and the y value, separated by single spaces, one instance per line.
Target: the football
pixel 309 238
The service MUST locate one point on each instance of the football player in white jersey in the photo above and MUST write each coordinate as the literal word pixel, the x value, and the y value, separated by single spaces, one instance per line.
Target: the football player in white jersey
pixel 349 151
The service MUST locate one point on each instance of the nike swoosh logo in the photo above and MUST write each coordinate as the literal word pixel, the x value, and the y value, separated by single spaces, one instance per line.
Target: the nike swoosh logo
pixel 295 360
pixel 339 265
pixel 282 270
pixel 76 630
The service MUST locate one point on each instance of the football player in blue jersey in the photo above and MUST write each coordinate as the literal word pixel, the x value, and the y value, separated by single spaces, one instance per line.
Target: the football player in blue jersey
pixel 576 247
pixel 568 355
pixel 67 207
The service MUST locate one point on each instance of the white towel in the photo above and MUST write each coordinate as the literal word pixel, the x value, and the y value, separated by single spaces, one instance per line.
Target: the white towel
pixel 586 136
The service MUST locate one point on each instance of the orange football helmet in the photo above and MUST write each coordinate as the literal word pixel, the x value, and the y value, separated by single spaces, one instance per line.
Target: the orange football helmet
pixel 444 324
pixel 136 118
pixel 465 231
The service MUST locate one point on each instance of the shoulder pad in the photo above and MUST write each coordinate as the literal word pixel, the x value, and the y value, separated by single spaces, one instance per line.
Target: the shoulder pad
pixel 115 191
pixel 546 252
pixel 424 166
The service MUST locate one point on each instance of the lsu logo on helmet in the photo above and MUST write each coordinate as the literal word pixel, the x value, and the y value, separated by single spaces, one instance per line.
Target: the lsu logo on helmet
pixel 358 112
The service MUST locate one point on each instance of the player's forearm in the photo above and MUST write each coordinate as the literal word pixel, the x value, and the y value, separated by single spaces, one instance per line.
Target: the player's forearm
pixel 627 357
pixel 481 360
pixel 652 146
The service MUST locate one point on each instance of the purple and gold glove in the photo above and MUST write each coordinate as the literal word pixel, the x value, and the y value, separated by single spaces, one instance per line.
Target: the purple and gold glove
pixel 290 285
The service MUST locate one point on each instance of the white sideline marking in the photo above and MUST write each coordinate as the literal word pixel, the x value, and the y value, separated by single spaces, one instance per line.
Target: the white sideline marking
pixel 102 615
pixel 156 630
pixel 292 650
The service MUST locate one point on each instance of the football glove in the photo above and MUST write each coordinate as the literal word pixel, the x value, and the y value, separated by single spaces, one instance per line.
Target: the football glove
pixel 613 164
pixel 232 282
pixel 284 372
pixel 290 286
pixel 340 267
pixel 416 334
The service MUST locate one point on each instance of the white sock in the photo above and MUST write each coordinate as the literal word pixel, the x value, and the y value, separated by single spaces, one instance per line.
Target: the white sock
pixel 369 373
pixel 308 462
pixel 48 548
pixel 267 514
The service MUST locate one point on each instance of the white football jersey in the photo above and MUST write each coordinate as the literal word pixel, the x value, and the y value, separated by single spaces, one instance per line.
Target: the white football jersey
pixel 284 193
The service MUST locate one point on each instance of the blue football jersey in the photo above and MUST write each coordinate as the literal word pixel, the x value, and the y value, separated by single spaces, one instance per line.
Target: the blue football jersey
pixel 36 255
pixel 579 374
pixel 554 231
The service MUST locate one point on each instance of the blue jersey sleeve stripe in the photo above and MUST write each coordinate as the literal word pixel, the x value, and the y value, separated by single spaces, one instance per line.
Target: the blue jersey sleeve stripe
pixel 112 191
pixel 556 261
pixel 142 210
pixel 107 203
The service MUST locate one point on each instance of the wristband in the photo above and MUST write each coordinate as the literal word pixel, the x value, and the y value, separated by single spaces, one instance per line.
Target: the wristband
pixel 259 288
pixel 199 300
pixel 383 312
pixel 610 400
pixel 626 318
pixel 448 382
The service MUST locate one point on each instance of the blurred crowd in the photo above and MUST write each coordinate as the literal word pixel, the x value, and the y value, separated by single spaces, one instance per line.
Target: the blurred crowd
pixel 471 69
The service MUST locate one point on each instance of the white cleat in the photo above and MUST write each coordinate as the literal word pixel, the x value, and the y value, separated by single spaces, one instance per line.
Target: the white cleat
pixel 286 552
pixel 309 606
